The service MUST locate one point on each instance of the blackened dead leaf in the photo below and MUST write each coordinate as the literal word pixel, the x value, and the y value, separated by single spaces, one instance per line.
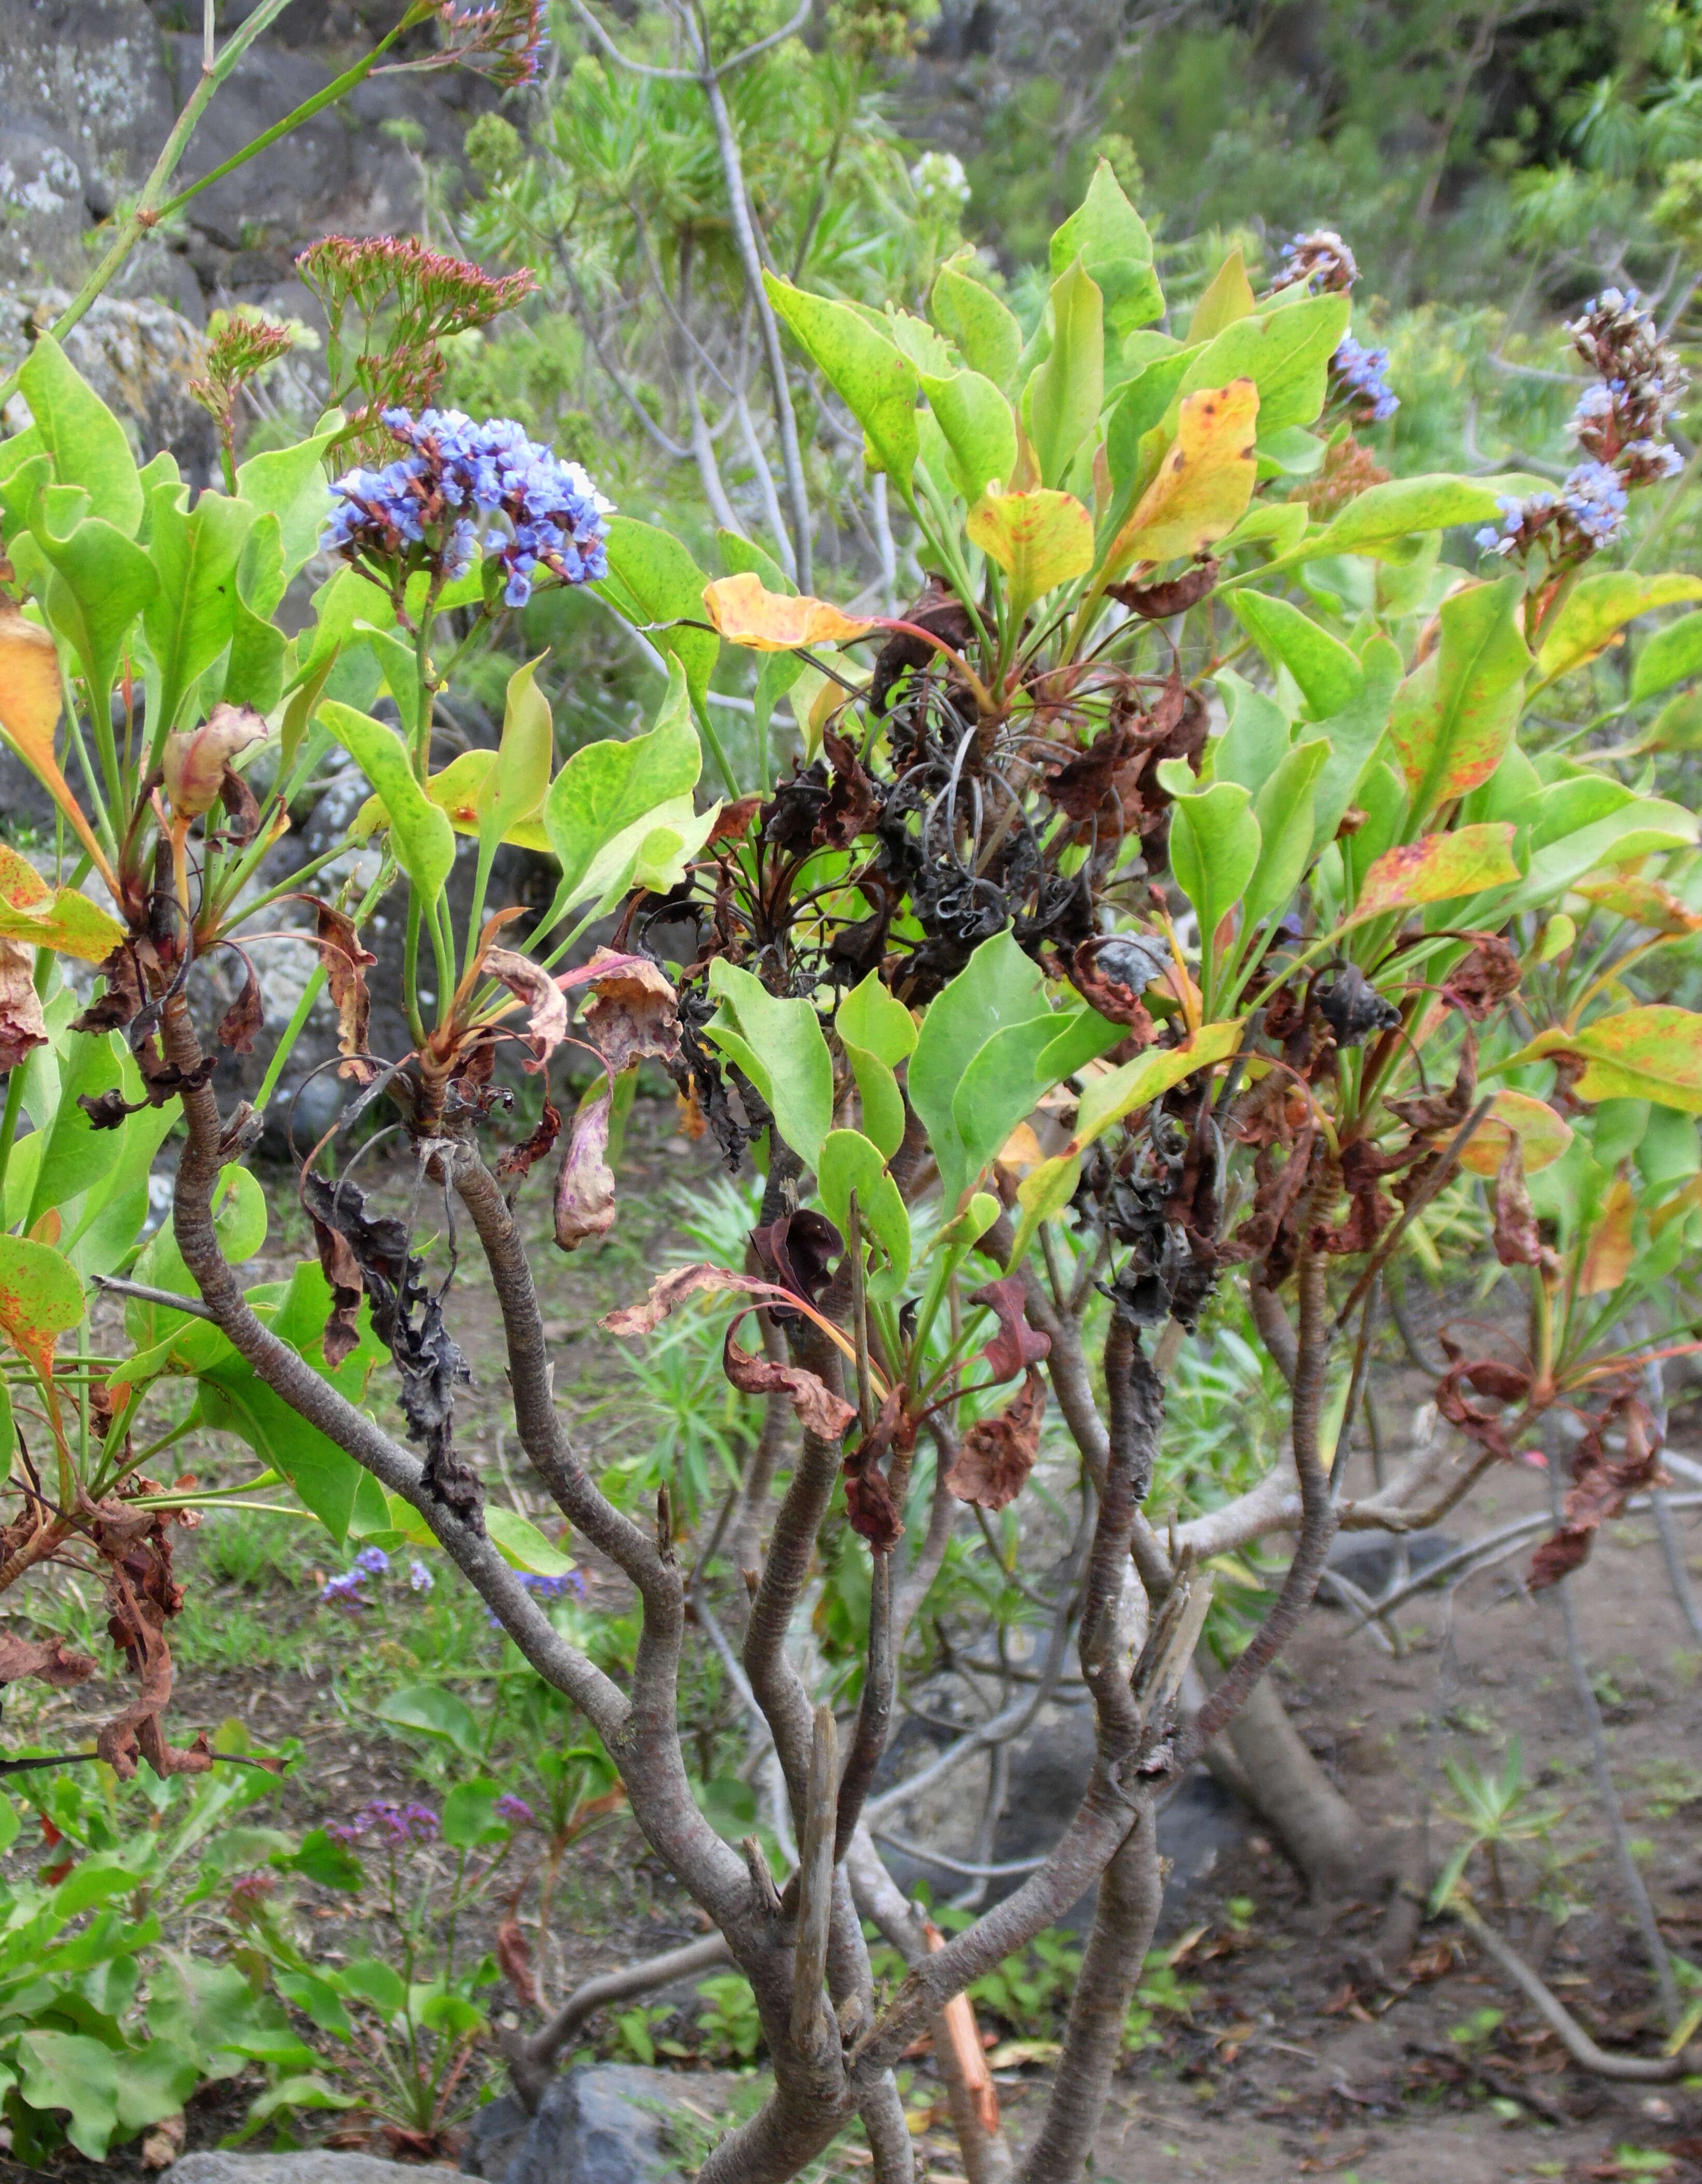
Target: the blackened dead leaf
pixel 940 610
pixel 114 1009
pixel 585 1189
pixel 796 1249
pixel 819 1411
pixel 1017 1346
pixel 1354 1009
pixel 243 1023
pixel 997 1454
pixel 852 800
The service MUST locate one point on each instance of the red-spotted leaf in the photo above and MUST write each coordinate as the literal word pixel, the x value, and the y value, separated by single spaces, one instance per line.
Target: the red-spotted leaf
pixel 1651 1053
pixel 1453 714
pixel 1437 867
pixel 41 1298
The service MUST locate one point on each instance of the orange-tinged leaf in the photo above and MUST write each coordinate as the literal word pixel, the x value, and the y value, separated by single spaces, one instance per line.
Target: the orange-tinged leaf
pixel 1643 902
pixel 1203 483
pixel 22 889
pixel 1650 1053
pixel 40 1299
pixel 1453 717
pixel 1436 867
pixel 1608 1260
pixel 1040 539
pixel 771 622
pixel 63 919
pixel 30 713
pixel 1543 1134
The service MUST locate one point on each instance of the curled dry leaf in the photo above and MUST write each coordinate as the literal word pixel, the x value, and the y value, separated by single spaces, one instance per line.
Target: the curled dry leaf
pixel 22 1026
pixel 48 1660
pixel 1517 1243
pixel 196 760
pixel 632 1014
pixel 819 1411
pixel 1159 602
pixel 547 1024
pixel 1603 1482
pixel 585 1189
pixel 868 1503
pixel 519 1160
pixel 515 1957
pixel 122 1000
pixel 669 1291
pixel 796 1249
pixel 1501 1382
pixel 997 1454
pixel 243 1023
pixel 1483 977
pixel 345 961
pixel 1017 1346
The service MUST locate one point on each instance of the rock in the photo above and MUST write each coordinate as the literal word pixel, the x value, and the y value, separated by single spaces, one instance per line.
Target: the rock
pixel 84 105
pixel 139 357
pixel 600 2124
pixel 316 2165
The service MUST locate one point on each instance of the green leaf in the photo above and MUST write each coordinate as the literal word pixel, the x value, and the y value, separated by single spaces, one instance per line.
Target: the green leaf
pixel 1353 735
pixel 1285 352
pixel 877 1033
pixel 1007 1078
pixel 153 2082
pixel 1438 868
pixel 436 1713
pixel 1284 809
pixel 66 2071
pixel 1673 655
pixel 325 1863
pixel 1213 852
pixel 317 2001
pixel 74 1153
pixel 1381 521
pixel 101 581
pixel 1598 608
pixel 1652 1053
pixel 515 786
pixel 1060 403
pixel 997 986
pixel 983 330
pixel 308 2091
pixel 875 380
pixel 744 557
pixel 609 795
pixel 779 1047
pixel 1329 677
pixel 1110 238
pixel 469 1815
pixel 290 483
pixel 254 666
pixel 1140 409
pixel 88 445
pixel 522 1545
pixel 1228 297
pixel 424 839
pixel 1256 740
pixel 848 1162
pixel 189 620
pixel 980 431
pixel 374 1982
pixel 653 580
pixel 1453 717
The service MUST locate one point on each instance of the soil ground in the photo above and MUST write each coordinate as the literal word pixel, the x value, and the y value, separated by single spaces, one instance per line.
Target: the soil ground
pixel 1281 2064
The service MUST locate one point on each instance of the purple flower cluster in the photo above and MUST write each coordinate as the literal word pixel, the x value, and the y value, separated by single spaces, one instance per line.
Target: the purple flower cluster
pixel 1617 424
pixel 542 1588
pixel 507 41
pixel 463 487
pixel 392 1826
pixel 1321 259
pixel 515 1810
pixel 1356 378
pixel 344 1591
pixel 419 1578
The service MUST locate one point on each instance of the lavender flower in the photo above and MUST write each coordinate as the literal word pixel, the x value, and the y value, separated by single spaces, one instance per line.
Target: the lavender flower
pixel 463 486
pixel 1356 375
pixel 542 1588
pixel 419 1578
pixel 515 1810
pixel 374 1561
pixel 1594 497
pixel 395 1827
pixel 343 1591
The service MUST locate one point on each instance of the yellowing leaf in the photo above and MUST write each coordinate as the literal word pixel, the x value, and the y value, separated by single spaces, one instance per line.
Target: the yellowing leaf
pixel 1608 1260
pixel 1543 1134
pixel 1437 867
pixel 1598 609
pixel 457 791
pixel 1229 298
pixel 1203 483
pixel 30 712
pixel 769 622
pixel 1040 539
pixel 1643 902
pixel 1650 1053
